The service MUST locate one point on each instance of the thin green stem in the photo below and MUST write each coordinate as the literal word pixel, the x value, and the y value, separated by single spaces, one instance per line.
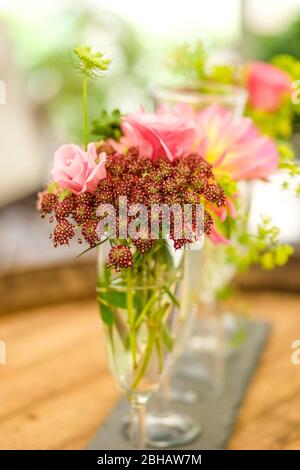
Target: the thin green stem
pixel 146 357
pixel 85 115
pixel 145 310
pixel 131 320
pixel 159 348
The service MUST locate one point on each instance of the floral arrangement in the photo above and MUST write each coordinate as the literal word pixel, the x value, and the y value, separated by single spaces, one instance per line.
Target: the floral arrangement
pixel 143 162
pixel 153 164
pixel 270 89
pixel 140 164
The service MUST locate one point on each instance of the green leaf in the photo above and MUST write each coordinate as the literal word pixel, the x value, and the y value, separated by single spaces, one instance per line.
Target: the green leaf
pixel 108 125
pixel 64 194
pixel 106 314
pixel 116 299
pixel 52 187
pixel 267 260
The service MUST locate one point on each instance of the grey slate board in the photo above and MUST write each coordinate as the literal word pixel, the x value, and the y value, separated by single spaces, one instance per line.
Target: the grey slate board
pixel 216 412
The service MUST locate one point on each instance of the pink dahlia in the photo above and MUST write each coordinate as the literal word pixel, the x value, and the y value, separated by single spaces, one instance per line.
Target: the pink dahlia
pixel 235 147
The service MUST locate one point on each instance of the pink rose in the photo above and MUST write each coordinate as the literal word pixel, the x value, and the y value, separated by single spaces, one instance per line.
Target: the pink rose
pixel 77 170
pixel 267 85
pixel 158 134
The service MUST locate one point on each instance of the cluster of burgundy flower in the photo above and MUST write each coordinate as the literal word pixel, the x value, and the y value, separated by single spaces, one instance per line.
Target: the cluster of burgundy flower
pixel 188 180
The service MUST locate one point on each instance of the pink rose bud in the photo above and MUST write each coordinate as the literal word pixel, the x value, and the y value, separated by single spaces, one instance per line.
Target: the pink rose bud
pixel 77 170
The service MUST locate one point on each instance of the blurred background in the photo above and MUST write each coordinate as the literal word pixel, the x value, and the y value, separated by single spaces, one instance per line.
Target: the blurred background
pixel 43 110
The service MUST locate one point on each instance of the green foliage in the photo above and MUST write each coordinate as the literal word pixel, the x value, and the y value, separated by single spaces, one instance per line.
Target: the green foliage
pixel 52 187
pixel 275 125
pixel 288 64
pixel 287 159
pixel 63 194
pixel 228 184
pixel 108 125
pixel 106 313
pixel 262 248
pixel 91 63
pixel 189 61
pixel 223 73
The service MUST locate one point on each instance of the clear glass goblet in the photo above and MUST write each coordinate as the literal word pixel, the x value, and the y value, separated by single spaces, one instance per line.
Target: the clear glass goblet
pixel 139 310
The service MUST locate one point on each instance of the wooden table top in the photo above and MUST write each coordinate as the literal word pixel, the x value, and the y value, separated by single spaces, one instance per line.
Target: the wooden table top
pixel 56 389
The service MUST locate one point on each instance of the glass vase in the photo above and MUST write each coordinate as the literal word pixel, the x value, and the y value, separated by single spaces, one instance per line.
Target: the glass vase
pixel 216 333
pixel 211 270
pixel 139 310
pixel 202 95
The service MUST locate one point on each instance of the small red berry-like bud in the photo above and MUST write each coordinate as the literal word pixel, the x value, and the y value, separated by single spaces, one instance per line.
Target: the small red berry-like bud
pixel 214 193
pixel 120 257
pixel 106 148
pixel 133 152
pixel 63 209
pixel 143 245
pixel 164 167
pixel 89 232
pixel 208 223
pixel 63 233
pixel 83 213
pixel 180 243
pixel 46 202
pixel 85 198
pixel 104 192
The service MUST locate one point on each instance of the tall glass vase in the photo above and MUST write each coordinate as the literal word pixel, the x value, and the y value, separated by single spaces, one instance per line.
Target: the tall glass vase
pixel 212 271
pixel 205 352
pixel 139 310
pixel 212 340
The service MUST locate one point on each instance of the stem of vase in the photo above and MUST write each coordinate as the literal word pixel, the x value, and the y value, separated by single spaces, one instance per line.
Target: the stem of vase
pixel 161 400
pixel 137 427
